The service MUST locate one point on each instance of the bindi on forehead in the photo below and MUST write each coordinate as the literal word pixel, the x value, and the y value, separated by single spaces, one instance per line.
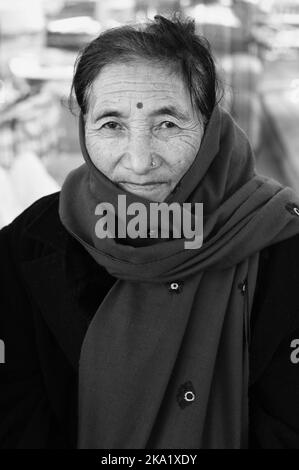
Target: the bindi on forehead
pixel 139 105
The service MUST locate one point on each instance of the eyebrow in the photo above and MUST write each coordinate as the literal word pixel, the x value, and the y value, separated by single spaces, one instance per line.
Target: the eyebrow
pixel 108 113
pixel 170 110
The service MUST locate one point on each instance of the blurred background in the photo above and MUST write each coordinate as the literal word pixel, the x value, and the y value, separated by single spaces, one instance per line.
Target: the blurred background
pixel 255 43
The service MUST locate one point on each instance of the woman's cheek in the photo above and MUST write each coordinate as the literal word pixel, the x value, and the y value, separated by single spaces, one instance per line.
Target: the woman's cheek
pixel 183 148
pixel 98 154
pixel 91 144
pixel 98 147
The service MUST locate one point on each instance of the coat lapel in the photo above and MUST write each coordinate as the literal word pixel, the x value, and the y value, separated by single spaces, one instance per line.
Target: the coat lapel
pixel 52 291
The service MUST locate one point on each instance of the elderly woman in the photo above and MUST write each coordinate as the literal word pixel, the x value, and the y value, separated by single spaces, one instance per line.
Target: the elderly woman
pixel 122 337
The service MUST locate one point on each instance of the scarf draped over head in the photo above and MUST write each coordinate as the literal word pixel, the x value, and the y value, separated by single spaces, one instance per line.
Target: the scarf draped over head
pixel 164 363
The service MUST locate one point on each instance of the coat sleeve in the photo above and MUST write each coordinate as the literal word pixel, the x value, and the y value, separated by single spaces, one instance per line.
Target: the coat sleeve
pixel 275 399
pixel 274 391
pixel 24 413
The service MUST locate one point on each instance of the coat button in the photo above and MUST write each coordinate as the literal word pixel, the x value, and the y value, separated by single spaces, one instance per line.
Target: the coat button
pixel 186 394
pixel 176 287
pixel 189 396
pixel 293 209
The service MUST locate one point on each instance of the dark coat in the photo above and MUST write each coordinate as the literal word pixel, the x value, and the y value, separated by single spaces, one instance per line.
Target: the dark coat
pixel 50 288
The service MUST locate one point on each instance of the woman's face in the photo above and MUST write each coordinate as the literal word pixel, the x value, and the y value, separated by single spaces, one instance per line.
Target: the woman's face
pixel 138 113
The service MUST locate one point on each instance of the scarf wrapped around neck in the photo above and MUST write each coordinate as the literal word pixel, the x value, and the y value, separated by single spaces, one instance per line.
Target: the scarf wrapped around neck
pixel 164 363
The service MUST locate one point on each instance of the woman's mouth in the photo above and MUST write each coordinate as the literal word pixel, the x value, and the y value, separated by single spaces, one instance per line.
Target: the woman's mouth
pixel 144 187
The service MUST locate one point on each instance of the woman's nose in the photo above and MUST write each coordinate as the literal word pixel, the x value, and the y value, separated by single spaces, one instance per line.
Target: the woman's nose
pixel 139 155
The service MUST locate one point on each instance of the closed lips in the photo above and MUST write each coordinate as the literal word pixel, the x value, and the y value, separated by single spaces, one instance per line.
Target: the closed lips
pixel 150 183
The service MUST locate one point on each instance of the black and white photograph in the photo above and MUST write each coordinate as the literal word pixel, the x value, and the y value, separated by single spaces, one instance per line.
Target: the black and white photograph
pixel 149 227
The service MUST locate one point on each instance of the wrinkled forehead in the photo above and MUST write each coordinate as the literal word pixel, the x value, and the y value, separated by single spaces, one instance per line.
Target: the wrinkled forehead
pixel 139 84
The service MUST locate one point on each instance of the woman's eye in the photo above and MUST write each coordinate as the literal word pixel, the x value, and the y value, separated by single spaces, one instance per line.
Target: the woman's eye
pixel 167 129
pixel 167 125
pixel 111 125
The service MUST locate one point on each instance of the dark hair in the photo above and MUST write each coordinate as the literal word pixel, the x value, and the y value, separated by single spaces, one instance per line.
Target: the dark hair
pixel 172 42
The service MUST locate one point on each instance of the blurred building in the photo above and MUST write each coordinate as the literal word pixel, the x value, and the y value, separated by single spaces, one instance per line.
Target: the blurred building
pixel 115 12
pixel 21 17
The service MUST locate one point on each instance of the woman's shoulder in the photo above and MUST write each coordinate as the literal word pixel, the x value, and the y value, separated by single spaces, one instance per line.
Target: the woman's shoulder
pixel 34 211
pixel 41 216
